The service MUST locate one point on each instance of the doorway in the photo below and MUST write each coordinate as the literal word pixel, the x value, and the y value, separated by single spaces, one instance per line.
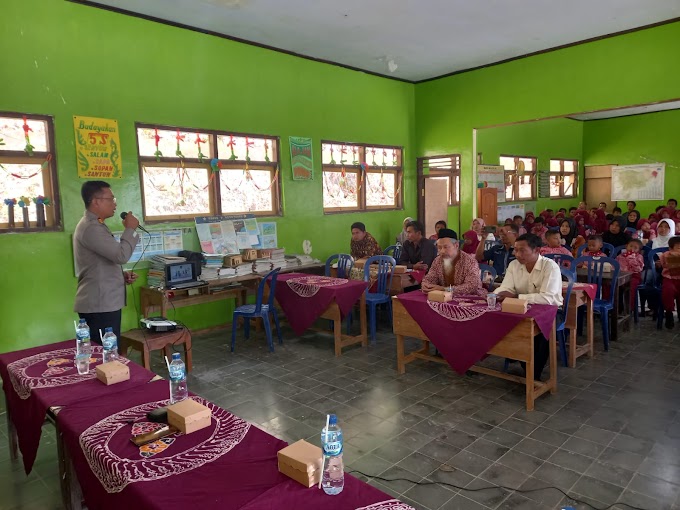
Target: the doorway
pixel 598 186
pixel 438 188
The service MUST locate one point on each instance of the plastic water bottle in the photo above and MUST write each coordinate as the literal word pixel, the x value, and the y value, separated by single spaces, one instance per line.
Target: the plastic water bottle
pixel 333 480
pixel 178 379
pixel 640 235
pixel 83 338
pixel 110 345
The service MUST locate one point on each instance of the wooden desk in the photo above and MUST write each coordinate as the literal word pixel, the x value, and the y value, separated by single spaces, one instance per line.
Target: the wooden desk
pixel 399 281
pixel 579 298
pixel 518 344
pixel 342 340
pixel 621 313
pixel 147 341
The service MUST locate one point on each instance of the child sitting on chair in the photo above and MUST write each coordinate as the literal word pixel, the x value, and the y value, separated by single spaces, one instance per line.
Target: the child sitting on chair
pixel 670 286
pixel 631 260
pixel 553 238
pixel 594 247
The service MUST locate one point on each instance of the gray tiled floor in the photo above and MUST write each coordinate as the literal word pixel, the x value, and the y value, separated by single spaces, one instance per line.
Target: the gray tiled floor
pixel 611 432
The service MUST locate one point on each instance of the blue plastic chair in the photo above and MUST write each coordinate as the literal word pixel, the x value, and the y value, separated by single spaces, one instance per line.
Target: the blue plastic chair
pixel 607 248
pixel 641 293
pixel 594 267
pixel 617 251
pixel 654 283
pixel 487 269
pixel 344 270
pixel 383 282
pixel 562 314
pixel 393 251
pixel 260 310
pixel 563 260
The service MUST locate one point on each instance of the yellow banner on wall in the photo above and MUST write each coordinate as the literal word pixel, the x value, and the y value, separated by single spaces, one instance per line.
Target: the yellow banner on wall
pixel 97 148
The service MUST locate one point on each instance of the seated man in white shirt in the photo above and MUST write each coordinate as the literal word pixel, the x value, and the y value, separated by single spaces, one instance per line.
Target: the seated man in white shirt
pixel 536 279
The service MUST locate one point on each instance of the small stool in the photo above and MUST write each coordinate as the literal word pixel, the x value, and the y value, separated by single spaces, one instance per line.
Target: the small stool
pixel 147 341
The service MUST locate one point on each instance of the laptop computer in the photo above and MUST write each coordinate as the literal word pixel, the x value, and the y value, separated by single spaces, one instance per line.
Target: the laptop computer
pixel 181 275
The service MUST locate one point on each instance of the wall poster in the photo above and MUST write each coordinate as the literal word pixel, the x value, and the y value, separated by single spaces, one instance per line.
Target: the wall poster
pixel 301 158
pixel 97 148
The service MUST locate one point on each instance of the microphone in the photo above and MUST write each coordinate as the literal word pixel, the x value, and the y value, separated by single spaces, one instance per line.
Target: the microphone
pixel 124 214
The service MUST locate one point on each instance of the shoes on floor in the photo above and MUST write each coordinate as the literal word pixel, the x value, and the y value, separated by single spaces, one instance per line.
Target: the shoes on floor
pixel 669 320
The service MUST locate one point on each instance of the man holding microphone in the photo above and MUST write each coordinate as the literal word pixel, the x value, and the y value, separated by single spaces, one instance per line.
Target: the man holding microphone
pixel 101 281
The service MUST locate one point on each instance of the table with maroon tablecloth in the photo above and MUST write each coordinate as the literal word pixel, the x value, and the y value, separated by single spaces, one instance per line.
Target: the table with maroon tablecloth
pixel 589 288
pixel 304 298
pixel 465 329
pixel 230 465
pixel 39 378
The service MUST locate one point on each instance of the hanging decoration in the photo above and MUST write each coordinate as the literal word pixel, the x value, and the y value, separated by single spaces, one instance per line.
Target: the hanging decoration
pixel 332 161
pixel 394 158
pixel 343 151
pixel 231 147
pixel 266 151
pixel 249 178
pixel 28 148
pixel 97 148
pixel 355 155
pixel 10 203
pixel 249 144
pixel 198 142
pixel 157 139
pixel 178 151
pixel 372 151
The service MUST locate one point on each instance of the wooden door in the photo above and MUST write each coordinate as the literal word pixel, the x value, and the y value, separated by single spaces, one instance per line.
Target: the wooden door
pixel 487 205
pixel 435 202
pixel 598 186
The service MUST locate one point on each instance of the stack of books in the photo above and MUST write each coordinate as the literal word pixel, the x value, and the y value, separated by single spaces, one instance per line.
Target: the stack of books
pixel 278 257
pixel 213 264
pixel 156 274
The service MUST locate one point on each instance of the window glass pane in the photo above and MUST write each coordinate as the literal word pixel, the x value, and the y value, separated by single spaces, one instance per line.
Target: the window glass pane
pixel 456 189
pixel 339 191
pixel 12 133
pixel 381 156
pixel 569 181
pixel 528 164
pixel 234 147
pixel 28 184
pixel 525 186
pixel 167 143
pixel 239 193
pixel 570 166
pixel 171 191
pixel 555 165
pixel 554 185
pixel 507 162
pixel 380 189
pixel 334 154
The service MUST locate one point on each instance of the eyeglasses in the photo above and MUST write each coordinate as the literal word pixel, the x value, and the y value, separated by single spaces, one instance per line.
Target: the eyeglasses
pixel 107 198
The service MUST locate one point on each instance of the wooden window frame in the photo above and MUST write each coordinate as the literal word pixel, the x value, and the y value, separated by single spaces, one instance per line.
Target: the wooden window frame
pixel 214 193
pixel 562 173
pixel 513 176
pixel 49 176
pixel 355 169
pixel 453 174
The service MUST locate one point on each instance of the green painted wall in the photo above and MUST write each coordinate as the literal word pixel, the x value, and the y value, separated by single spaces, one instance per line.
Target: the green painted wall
pixel 545 140
pixel 603 74
pixel 652 137
pixel 64 59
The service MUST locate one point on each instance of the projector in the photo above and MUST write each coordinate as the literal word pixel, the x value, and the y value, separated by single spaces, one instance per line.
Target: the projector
pixel 158 324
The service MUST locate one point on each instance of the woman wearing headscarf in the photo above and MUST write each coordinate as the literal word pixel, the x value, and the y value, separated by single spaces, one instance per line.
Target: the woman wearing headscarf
pixel 665 229
pixel 403 237
pixel 615 235
pixel 475 235
pixel 600 223
pixel 645 227
pixel 633 218
pixel 572 240
pixel 529 221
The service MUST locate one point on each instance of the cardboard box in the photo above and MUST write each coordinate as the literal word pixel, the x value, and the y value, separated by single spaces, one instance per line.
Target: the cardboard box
pixel 301 461
pixel 264 254
pixel 360 263
pixel 249 254
pixel 400 269
pixel 112 372
pixel 441 296
pixel 189 416
pixel 514 305
pixel 233 260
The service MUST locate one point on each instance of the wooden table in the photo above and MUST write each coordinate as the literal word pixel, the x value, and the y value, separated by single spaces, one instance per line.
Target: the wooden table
pixel 621 313
pixel 579 298
pixel 399 281
pixel 518 344
pixel 146 341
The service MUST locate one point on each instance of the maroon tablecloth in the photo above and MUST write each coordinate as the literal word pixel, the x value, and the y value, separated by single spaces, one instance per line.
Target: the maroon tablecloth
pixel 464 330
pixel 304 297
pixel 589 288
pixel 223 466
pixel 418 275
pixel 42 377
pixel 356 495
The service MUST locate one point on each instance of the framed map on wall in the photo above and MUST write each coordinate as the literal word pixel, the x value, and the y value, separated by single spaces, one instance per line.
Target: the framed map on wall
pixel 638 182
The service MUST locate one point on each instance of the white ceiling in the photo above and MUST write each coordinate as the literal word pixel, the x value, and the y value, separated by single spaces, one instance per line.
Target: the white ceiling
pixel 424 38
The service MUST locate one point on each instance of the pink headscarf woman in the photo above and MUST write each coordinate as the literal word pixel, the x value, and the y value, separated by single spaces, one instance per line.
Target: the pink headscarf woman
pixel 474 236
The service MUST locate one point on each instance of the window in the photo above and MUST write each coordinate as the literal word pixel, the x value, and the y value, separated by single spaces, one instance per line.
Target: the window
pixel 361 177
pixel 520 177
pixel 563 178
pixel 445 169
pixel 187 173
pixel 28 170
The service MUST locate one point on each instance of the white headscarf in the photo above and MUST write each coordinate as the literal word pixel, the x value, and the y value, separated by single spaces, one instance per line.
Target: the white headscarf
pixel 402 237
pixel 662 241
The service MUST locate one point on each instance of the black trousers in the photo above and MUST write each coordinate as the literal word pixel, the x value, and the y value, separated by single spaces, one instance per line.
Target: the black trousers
pixel 541 354
pixel 102 320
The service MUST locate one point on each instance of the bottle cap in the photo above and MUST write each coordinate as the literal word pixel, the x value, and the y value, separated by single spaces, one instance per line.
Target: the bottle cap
pixel 108 330
pixel 176 355
pixel 83 321
pixel 333 420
